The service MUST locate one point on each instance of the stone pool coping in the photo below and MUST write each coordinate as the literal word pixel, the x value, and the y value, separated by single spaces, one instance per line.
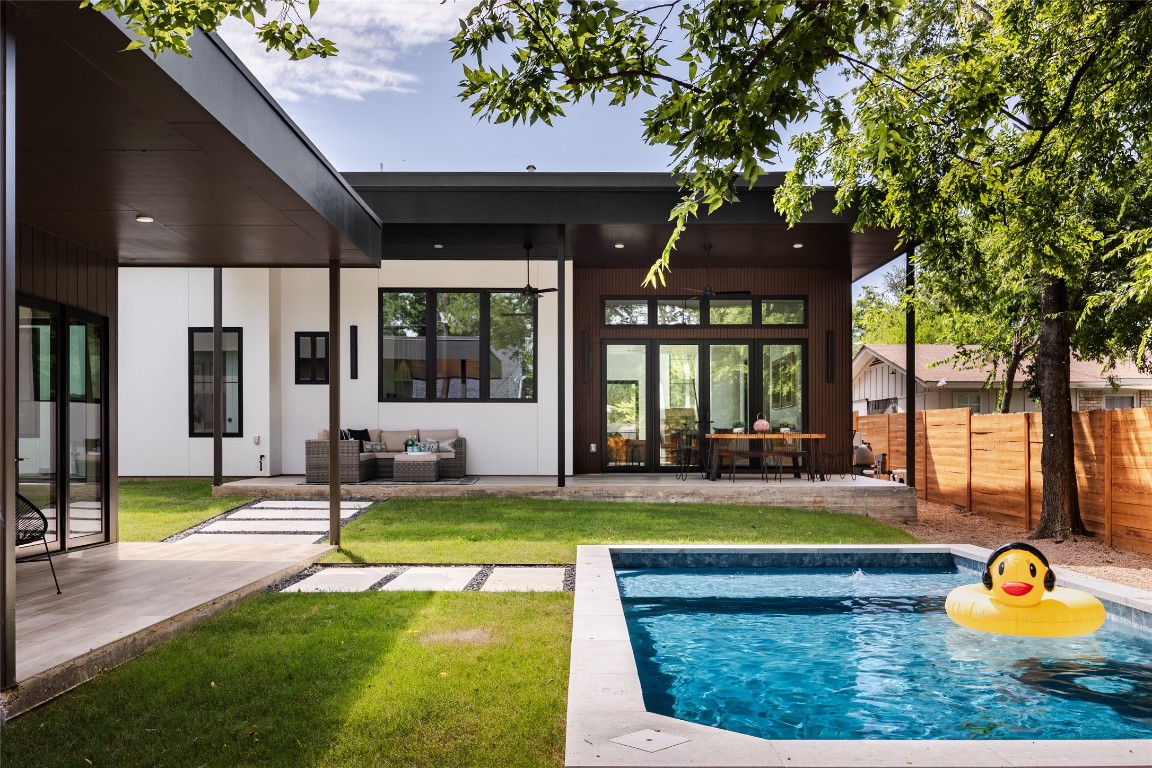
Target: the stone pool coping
pixel 605 701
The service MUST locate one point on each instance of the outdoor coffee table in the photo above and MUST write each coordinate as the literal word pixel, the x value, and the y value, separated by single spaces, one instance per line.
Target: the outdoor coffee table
pixel 416 468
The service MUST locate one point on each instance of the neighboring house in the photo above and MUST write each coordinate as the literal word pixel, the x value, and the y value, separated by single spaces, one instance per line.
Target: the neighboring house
pixel 878 383
pixel 753 319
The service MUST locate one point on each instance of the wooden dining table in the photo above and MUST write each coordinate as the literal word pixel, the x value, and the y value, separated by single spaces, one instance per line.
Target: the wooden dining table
pixel 813 439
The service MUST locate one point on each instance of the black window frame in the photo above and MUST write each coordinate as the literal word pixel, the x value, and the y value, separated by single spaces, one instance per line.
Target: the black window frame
pixel 299 362
pixel 430 350
pixel 239 331
pixel 705 311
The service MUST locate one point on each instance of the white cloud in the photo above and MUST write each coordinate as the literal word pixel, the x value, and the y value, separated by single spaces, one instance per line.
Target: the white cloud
pixel 373 37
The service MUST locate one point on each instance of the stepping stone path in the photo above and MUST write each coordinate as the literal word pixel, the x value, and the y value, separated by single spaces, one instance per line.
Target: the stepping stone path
pixel 307 522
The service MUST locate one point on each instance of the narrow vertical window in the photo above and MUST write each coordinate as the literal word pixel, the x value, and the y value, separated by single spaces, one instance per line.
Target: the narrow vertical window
pixel 201 410
pixel 312 357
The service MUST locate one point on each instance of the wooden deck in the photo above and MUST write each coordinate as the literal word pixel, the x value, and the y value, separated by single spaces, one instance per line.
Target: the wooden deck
pixel 121 599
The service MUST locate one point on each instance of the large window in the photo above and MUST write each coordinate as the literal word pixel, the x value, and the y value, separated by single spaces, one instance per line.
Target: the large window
pixel 201 410
pixel 457 345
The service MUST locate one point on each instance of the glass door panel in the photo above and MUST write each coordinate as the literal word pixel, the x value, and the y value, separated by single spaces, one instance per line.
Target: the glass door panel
pixel 783 385
pixel 728 380
pixel 36 377
pixel 85 456
pixel 728 387
pixel 679 409
pixel 626 407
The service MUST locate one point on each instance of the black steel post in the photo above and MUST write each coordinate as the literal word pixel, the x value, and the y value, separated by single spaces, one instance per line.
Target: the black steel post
pixel 561 368
pixel 218 409
pixel 8 444
pixel 910 369
pixel 334 402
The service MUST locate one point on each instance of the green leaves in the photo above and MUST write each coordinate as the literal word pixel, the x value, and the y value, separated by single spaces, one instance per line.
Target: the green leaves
pixel 167 27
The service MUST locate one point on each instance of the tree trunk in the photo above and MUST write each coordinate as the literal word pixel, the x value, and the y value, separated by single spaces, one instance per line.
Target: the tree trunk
pixel 1060 513
pixel 1010 380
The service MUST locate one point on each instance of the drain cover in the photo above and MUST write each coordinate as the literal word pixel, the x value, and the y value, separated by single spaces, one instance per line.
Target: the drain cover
pixel 649 740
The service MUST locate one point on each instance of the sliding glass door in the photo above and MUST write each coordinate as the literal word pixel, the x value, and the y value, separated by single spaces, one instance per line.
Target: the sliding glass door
pixel 61 384
pixel 661 396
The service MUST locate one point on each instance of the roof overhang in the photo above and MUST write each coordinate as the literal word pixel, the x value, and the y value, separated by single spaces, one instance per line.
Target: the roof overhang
pixel 104 135
pixel 487 216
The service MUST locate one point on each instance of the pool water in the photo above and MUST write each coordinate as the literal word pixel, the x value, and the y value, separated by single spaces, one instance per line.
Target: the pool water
pixel 838 653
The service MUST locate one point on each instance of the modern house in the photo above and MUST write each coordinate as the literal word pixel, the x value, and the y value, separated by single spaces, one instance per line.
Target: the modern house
pixel 158 210
pixel 595 375
pixel 879 383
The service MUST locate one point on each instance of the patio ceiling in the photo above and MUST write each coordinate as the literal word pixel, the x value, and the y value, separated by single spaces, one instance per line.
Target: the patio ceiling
pixel 488 216
pixel 103 135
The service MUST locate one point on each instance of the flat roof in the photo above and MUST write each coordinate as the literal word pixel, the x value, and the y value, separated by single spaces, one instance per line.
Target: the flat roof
pixel 104 134
pixel 488 215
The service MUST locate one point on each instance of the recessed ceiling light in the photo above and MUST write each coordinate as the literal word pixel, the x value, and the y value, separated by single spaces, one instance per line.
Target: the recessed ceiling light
pixel 437 246
pixel 797 245
pixel 618 245
pixel 144 219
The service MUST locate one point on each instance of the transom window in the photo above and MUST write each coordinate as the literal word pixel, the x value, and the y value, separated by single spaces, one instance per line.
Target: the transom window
pixel 457 345
pixel 699 311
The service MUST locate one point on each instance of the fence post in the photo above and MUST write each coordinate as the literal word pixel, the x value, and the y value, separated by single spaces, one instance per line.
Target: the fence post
pixel 1027 470
pixel 1108 477
pixel 968 459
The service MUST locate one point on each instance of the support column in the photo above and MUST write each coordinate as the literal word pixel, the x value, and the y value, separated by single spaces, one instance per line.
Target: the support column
pixel 218 411
pixel 8 431
pixel 561 367
pixel 910 369
pixel 334 402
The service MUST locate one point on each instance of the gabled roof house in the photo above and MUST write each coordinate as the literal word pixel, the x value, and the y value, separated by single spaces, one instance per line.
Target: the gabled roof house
pixel 879 383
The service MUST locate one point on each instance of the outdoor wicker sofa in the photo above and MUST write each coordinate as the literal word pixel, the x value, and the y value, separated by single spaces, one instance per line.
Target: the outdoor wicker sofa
pixel 363 460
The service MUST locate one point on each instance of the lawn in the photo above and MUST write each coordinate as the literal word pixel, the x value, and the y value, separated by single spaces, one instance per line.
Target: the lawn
pixel 371 679
pixel 154 510
pixel 516 530
pixel 413 679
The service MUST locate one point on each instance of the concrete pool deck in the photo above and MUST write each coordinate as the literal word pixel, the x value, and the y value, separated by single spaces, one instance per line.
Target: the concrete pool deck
pixel 608 724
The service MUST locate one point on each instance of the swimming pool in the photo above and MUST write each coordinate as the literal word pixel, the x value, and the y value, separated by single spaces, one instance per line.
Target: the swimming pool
pixel 613 719
pixel 854 653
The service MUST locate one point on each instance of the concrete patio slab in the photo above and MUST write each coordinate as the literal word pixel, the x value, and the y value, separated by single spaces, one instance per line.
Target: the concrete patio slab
pixel 507 579
pixel 437 578
pixel 279 513
pixel 275 526
pixel 341 580
pixel 306 504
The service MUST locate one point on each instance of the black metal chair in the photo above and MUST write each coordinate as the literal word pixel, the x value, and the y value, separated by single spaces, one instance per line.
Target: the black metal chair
pixel 840 461
pixel 31 527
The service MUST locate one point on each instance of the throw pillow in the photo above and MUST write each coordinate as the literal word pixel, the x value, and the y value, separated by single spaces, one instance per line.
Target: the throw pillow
pixel 344 435
pixel 370 446
pixel 359 434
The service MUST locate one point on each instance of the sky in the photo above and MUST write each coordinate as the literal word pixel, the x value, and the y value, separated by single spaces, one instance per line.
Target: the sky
pixel 389 100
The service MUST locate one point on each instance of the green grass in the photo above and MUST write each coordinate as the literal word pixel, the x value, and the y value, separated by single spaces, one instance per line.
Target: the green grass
pixel 372 679
pixel 514 530
pixel 154 510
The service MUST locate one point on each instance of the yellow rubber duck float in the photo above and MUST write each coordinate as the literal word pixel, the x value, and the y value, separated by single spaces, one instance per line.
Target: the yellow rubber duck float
pixel 1018 596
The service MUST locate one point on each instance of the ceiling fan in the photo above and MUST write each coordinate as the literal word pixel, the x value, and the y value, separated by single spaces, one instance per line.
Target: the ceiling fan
pixel 528 291
pixel 708 291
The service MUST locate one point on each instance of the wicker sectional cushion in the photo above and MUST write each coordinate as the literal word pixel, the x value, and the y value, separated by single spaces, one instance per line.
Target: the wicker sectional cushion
pixel 376 435
pixel 322 434
pixel 439 434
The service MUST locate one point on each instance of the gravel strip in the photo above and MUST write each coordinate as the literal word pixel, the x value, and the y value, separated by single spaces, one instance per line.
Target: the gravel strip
pixel 946 524
pixel 478 580
pixel 390 577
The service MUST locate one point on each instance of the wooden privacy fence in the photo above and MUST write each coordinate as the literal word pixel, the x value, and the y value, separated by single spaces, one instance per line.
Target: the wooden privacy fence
pixel 990 464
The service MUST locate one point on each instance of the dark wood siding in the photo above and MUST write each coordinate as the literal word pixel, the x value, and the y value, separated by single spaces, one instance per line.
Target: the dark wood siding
pixel 57 270
pixel 829 293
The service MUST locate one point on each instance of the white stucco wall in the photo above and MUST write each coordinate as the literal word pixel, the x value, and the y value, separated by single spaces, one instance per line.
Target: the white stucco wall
pixel 503 438
pixel 158 306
